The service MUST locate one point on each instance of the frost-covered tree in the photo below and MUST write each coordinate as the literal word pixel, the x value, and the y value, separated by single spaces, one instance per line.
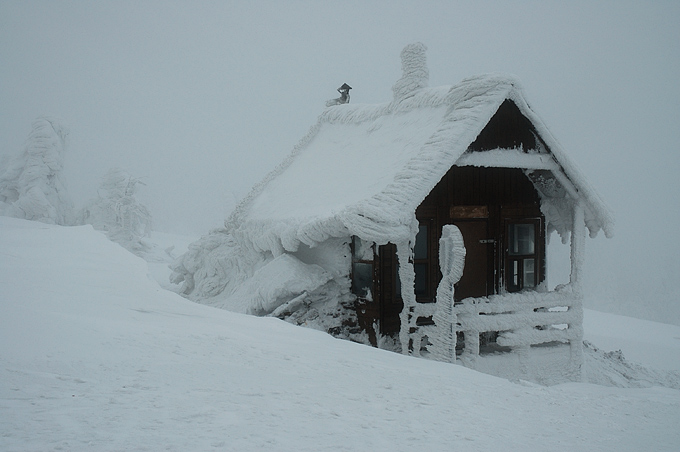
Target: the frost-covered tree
pixel 117 211
pixel 31 185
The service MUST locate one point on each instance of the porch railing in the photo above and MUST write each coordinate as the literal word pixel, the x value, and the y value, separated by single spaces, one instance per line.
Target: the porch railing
pixel 521 320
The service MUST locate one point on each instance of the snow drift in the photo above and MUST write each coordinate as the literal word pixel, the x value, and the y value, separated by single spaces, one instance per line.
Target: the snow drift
pixel 96 356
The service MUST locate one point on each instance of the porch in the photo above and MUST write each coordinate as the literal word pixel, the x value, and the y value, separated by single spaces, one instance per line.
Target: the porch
pixel 530 335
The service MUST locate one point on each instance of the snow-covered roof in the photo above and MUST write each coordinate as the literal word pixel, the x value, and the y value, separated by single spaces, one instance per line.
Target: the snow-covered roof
pixel 364 169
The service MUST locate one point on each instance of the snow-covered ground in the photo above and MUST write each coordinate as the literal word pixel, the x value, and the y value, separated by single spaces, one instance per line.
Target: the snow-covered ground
pixel 96 355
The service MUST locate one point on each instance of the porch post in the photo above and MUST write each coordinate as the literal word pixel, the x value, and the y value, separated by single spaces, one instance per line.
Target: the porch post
pixel 451 264
pixel 407 275
pixel 578 242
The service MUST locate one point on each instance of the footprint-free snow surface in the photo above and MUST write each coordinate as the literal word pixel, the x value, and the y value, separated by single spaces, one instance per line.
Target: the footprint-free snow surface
pixel 95 355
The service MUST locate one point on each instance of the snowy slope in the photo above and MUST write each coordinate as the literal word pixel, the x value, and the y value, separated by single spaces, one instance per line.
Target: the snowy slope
pixel 94 355
pixel 654 344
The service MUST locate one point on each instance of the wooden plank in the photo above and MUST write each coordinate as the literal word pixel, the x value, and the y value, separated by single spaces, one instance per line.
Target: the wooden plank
pixel 468 212
pixel 503 322
pixel 508 158
pixel 532 336
pixel 498 304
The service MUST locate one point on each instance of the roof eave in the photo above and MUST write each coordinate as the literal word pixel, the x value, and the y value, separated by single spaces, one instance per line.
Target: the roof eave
pixel 567 169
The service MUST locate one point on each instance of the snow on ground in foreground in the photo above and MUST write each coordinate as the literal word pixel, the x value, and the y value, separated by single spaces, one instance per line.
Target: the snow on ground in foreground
pixel 94 355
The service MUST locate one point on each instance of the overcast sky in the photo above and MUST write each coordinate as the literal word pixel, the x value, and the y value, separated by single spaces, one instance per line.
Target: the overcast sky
pixel 203 98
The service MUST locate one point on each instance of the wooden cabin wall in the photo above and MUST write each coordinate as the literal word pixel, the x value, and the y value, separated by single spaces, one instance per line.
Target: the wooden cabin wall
pixel 507 193
pixel 501 193
pixel 507 129
pixel 476 186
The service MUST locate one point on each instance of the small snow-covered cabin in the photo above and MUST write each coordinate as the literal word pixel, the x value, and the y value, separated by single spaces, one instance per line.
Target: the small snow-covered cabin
pixel 420 223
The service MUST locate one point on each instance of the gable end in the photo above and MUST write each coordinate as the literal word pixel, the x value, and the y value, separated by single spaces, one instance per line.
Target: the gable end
pixel 508 128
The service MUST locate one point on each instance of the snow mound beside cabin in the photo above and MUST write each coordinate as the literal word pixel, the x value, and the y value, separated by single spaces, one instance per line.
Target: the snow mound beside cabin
pixel 613 369
pixel 308 287
pixel 280 281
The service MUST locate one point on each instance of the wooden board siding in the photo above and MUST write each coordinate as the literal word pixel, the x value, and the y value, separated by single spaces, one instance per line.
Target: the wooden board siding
pixel 483 197
pixel 501 192
pixel 475 186
pixel 507 129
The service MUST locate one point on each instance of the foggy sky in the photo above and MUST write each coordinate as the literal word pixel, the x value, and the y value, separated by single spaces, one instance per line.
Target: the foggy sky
pixel 202 99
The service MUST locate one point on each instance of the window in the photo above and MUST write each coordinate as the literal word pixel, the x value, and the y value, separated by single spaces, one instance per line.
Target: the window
pixel 362 268
pixel 420 261
pixel 521 239
pixel 522 255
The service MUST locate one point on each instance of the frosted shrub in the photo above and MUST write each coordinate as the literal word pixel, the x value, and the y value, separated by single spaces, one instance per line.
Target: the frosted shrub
pixel 117 211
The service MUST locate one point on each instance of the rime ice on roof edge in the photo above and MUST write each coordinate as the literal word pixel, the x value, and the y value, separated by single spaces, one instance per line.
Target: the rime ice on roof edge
pixel 380 216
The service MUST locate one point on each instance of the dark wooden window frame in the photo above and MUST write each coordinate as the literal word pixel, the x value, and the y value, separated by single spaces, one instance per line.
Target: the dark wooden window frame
pixel 359 261
pixel 509 260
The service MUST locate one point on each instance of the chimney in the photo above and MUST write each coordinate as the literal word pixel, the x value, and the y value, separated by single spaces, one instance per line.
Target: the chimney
pixel 415 73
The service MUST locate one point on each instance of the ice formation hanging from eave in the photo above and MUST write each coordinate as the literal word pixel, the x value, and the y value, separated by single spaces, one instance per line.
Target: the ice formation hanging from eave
pixel 363 169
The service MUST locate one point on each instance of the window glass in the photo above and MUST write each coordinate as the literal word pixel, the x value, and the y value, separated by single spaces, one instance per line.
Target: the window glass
pixel 513 277
pixel 421 279
pixel 363 251
pixel 521 239
pixel 529 273
pixel 522 264
pixel 362 268
pixel 420 249
pixel 362 279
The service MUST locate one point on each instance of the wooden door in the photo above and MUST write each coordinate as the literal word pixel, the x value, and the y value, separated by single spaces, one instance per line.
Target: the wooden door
pixel 389 286
pixel 474 282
